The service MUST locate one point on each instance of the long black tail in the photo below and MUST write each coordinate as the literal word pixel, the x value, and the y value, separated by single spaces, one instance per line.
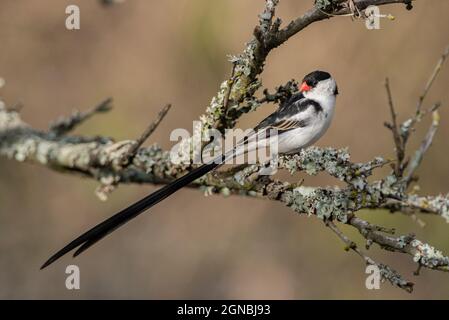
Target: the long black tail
pixel 98 232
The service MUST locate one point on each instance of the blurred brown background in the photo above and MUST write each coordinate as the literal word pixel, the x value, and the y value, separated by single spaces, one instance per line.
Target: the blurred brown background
pixel 144 54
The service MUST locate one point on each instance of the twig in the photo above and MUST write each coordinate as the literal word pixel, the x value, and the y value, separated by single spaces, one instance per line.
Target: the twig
pixel 386 272
pixel 401 134
pixel 408 125
pixel 282 93
pixel 66 124
pixel 350 245
pixel 432 78
pixel 400 152
pixel 422 253
pixel 425 144
pixel 111 2
pixel 128 157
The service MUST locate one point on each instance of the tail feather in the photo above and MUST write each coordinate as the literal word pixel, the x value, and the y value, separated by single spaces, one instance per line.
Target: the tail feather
pixel 101 230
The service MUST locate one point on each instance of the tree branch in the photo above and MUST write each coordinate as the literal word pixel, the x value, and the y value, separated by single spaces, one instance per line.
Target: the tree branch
pixel 385 271
pixel 66 124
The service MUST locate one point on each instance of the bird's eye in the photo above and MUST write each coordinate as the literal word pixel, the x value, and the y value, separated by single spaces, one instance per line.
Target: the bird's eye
pixel 311 83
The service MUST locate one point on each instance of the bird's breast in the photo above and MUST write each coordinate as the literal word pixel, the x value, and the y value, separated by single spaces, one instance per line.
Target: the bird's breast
pixel 297 139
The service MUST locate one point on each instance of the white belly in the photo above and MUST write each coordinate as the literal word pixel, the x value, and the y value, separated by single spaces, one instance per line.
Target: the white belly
pixel 294 140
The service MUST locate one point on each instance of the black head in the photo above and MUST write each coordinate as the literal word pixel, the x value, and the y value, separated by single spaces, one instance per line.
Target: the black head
pixel 316 76
pixel 311 81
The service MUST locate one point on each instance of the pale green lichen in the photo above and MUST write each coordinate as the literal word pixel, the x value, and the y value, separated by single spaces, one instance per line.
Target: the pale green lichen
pixel 403 241
pixel 207 190
pixel 438 204
pixel 394 277
pixel 428 256
pixel 405 127
pixel 328 203
pixel 324 203
pixel 241 176
pixel 225 192
pixel 24 150
pixel 334 161
pixel 323 4
pixel 155 161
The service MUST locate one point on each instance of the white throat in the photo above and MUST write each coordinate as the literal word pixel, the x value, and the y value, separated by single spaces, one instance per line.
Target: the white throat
pixel 324 94
pixel 326 101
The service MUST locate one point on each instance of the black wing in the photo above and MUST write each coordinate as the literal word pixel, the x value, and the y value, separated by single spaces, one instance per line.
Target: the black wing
pixel 292 114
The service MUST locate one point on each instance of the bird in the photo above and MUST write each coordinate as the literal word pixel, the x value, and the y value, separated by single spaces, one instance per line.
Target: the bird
pixel 300 121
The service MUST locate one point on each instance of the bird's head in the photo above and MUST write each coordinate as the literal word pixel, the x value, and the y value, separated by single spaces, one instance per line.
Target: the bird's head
pixel 318 83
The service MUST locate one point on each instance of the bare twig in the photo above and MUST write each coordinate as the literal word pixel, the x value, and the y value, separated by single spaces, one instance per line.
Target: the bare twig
pixel 127 157
pixel 386 272
pixel 401 134
pixel 422 253
pixel 350 245
pixel 66 124
pixel 408 126
pixel 432 78
pixel 111 2
pixel 425 144
pixel 399 144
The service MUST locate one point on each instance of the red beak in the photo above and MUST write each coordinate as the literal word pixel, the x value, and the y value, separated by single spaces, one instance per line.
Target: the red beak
pixel 304 87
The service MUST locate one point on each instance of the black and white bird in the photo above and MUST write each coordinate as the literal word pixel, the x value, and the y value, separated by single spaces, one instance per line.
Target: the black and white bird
pixel 300 121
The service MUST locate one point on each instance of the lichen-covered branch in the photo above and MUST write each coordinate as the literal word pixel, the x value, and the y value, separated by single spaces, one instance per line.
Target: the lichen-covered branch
pixel 386 272
pixel 115 162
